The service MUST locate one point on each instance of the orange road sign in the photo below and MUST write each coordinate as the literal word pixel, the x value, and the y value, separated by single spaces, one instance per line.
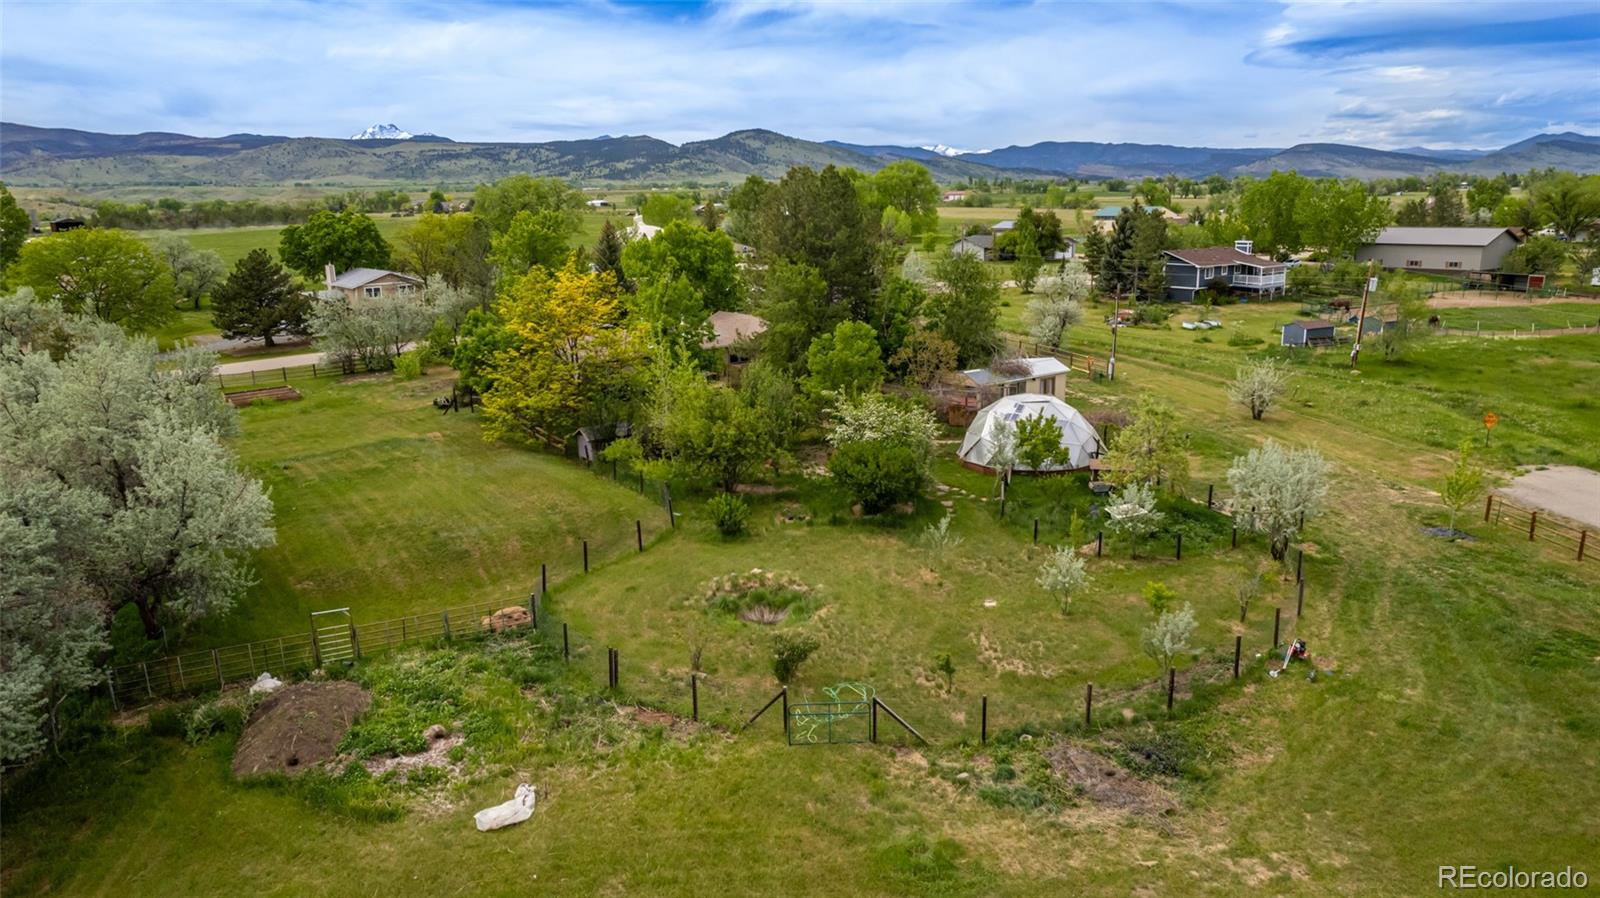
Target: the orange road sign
pixel 1490 419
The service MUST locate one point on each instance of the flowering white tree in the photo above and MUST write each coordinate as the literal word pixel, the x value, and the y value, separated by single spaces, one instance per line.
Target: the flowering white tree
pixel 1058 305
pixel 1133 514
pixel 1064 573
pixel 1004 457
pixel 115 490
pixel 1283 486
pixel 1259 384
pixel 1169 636
pixel 917 269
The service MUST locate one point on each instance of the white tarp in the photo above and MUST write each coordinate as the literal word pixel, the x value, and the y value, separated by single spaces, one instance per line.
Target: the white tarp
pixel 1077 434
pixel 518 809
pixel 264 684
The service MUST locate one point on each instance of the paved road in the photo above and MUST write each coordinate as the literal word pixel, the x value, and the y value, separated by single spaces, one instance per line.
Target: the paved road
pixel 246 366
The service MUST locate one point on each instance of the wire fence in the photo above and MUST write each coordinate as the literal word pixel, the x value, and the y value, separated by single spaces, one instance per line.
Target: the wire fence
pixel 282 375
pixel 1572 540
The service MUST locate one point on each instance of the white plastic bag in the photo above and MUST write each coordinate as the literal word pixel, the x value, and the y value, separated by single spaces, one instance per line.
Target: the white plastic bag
pixel 265 683
pixel 516 810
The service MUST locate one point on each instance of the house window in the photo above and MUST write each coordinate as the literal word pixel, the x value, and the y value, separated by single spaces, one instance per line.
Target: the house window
pixel 1452 264
pixel 1047 386
pixel 1413 263
pixel 1016 387
pixel 374 292
pixel 403 288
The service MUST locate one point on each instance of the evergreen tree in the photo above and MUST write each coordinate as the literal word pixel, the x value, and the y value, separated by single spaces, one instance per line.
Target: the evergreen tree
pixel 259 299
pixel 608 253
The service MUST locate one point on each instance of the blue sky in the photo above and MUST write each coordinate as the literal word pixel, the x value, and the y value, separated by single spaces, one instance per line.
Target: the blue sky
pixel 1386 74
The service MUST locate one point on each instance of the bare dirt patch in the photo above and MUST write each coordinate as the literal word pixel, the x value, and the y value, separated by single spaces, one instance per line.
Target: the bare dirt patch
pixel 1485 299
pixel 1105 783
pixel 1566 490
pixel 437 754
pixel 298 727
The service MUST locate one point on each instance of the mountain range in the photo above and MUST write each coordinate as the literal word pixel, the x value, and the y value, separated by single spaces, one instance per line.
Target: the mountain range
pixel 64 157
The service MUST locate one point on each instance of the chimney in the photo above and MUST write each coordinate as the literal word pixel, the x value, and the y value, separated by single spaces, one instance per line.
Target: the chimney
pixel 328 274
pixel 1248 247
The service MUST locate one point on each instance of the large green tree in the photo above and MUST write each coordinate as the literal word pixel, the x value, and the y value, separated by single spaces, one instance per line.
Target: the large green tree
pixel 705 258
pixel 259 300
pixel 1338 217
pixel 966 310
pixel 847 361
pixel 345 239
pixel 105 273
pixel 817 219
pixel 794 300
pixel 1571 204
pixel 14 227
pixel 498 203
pixel 1269 209
pixel 455 247
pixel 533 239
pixel 195 272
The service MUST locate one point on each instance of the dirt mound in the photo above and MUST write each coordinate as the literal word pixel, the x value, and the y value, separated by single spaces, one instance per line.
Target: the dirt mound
pixel 507 619
pixel 1107 784
pixel 298 727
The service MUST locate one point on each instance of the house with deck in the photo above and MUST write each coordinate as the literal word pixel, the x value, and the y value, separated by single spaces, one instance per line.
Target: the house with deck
pixel 1191 270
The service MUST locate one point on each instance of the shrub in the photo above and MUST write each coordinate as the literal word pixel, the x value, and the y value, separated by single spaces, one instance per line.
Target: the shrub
pixel 1159 595
pixel 408 365
pixel 1240 339
pixel 170 720
pixel 729 513
pixel 878 475
pixel 789 651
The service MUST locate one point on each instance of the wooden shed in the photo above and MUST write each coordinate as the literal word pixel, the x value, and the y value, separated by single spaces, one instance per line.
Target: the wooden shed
pixel 1308 333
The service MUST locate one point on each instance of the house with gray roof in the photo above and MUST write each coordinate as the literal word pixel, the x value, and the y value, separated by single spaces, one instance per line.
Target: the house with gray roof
pixel 368 283
pixel 1191 270
pixel 980 245
pixel 1044 375
pixel 1441 250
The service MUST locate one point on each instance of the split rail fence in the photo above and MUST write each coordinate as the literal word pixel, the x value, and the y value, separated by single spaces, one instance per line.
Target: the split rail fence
pixel 1572 540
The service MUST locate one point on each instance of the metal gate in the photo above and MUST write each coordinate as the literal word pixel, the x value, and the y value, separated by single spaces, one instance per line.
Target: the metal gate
pixel 845 718
pixel 333 637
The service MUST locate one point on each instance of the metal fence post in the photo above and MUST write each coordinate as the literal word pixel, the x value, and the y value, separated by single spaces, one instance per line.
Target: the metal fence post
pixel 1238 646
pixel 355 642
pixel 1099 543
pixel 445 616
pixel 566 647
pixel 1172 685
pixel 1300 564
pixel 1210 489
pixel 1300 601
pixel 1036 531
pixel 1277 618
pixel 1178 552
pixel 785 694
pixel 533 609
pixel 983 727
pixel 544 582
pixel 146 669
pixel 694 698
pixel 1088 705
pixel 638 533
pixel 586 556
pixel 1488 505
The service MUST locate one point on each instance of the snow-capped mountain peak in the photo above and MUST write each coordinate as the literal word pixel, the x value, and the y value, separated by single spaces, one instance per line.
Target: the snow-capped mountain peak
pixel 383 132
pixel 943 150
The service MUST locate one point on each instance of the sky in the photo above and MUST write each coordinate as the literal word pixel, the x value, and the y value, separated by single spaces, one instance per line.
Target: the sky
pixel 1384 74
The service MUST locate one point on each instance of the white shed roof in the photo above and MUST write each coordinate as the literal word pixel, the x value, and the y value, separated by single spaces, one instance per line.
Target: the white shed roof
pixel 1040 366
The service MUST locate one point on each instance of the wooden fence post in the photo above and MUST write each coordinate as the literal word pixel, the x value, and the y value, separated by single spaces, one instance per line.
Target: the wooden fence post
pixel 1088 705
pixel 533 609
pixel 1533 522
pixel 1583 537
pixel 445 616
pixel 638 533
pixel 1238 646
pixel 1488 505
pixel 1172 685
pixel 983 726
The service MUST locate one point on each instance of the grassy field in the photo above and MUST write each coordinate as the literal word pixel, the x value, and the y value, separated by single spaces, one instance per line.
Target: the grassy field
pixel 1458 725
pixel 1504 318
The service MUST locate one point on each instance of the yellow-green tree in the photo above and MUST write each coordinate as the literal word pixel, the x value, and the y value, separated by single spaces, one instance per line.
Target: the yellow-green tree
pixel 570 359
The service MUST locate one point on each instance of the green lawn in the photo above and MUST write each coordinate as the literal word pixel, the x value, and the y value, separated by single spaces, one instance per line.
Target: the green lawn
pixel 1459 724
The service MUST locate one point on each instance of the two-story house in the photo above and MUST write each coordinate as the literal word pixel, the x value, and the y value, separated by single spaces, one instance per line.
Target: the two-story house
pixel 1191 270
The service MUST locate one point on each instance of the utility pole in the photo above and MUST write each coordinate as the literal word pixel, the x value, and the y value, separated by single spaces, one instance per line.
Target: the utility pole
pixel 1361 319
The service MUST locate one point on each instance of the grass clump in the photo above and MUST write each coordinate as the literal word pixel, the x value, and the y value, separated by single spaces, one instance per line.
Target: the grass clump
pixel 758 596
